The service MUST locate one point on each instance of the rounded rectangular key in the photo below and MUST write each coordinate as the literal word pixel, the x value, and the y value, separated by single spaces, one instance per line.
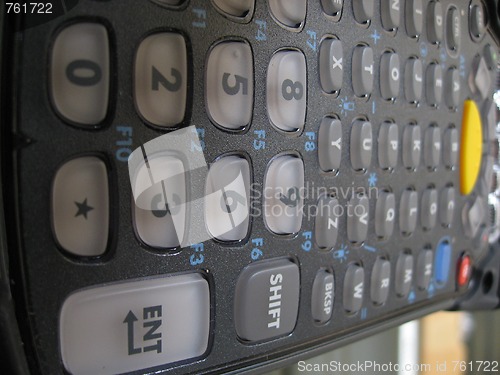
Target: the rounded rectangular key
pixel 390 74
pixel 380 280
pixel 135 325
pixel 153 212
pixel 413 80
pixel 429 212
pixel 80 206
pixel 408 212
pixel 287 90
pixel 362 70
pixel 331 70
pixel 424 269
pixel 283 200
pixel 435 21
pixel 363 10
pixel 453 28
pixel 235 8
pixel 160 79
pixel 388 145
pixel 390 14
pixel 385 214
pixel 266 300
pixel 79 74
pixel 229 84
pixel 361 145
pixel 354 284
pixel 330 144
pixel 447 205
pixel 404 274
pixel 227 200
pixel 326 223
pixel 332 7
pixel 289 13
pixel 322 296
pixel 414 17
pixel 412 146
pixel 358 211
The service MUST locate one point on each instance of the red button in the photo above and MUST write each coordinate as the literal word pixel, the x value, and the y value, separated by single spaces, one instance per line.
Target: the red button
pixel 464 270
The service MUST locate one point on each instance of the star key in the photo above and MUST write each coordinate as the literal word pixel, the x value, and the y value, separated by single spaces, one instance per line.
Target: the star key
pixel 83 209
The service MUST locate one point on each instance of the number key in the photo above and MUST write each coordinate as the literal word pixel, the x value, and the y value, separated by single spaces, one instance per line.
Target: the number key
pixel 79 74
pixel 286 90
pixel 160 79
pixel 229 84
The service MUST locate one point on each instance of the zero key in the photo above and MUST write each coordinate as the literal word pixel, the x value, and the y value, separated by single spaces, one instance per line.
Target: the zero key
pixel 79 74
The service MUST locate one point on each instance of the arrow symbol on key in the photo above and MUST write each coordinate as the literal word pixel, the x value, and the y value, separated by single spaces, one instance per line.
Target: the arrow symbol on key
pixel 130 319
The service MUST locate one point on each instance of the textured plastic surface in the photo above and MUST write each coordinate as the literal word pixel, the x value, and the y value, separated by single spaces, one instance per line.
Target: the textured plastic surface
pixel 129 258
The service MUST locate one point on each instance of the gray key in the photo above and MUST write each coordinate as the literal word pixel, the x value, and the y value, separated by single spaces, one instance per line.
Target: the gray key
pixel 290 13
pixel 332 7
pixel 390 14
pixel 486 175
pixel 450 147
pixel 477 23
pixel 447 206
pixel 238 8
pixel 412 146
pixel 424 269
pixel 429 208
pixel 408 212
pixel 361 144
pixel 404 275
pixel 266 300
pixel 358 211
pixel 453 28
pixel 160 79
pixel 482 78
pixel 414 15
pixel 452 87
pixel 228 215
pixel 326 223
pixel 80 73
pixel 330 144
pixel 434 84
pixel 473 215
pixel 283 200
pixel 159 211
pixel 362 70
pixel 413 80
pixel 381 277
pixel 331 68
pixel 432 147
pixel 490 56
pixel 489 120
pixel 388 145
pixel 435 22
pixel 229 84
pixel 80 206
pixel 390 74
pixel 385 214
pixel 363 10
pixel 354 283
pixel 170 316
pixel 322 296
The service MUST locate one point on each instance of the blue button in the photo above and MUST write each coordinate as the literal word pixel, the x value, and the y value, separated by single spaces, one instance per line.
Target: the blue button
pixel 442 262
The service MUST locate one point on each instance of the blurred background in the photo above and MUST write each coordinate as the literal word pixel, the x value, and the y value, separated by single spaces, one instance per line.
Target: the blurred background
pixel 442 337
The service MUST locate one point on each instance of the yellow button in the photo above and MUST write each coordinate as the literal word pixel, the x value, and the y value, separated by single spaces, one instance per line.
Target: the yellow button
pixel 471 147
